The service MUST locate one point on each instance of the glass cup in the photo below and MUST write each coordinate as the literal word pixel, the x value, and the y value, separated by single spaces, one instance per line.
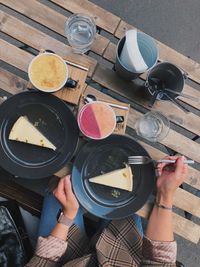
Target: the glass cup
pixel 97 120
pixel 153 126
pixel 80 31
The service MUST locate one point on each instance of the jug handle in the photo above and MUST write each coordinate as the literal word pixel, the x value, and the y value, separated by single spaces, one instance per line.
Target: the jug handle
pixel 185 74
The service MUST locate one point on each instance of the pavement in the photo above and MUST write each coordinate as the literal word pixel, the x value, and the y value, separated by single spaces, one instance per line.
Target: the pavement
pixel 175 23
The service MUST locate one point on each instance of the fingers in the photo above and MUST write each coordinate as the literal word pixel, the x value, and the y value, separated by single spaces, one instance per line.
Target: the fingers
pixel 67 185
pixel 173 157
pixel 185 169
pixel 180 166
pixel 160 167
pixel 60 187
pixel 171 166
pixel 184 166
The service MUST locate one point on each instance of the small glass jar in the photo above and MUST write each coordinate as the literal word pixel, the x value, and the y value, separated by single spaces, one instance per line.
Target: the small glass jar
pixel 153 126
pixel 80 31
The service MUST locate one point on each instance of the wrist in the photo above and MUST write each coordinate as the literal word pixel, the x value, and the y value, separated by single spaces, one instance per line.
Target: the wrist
pixel 164 199
pixel 70 215
pixel 64 220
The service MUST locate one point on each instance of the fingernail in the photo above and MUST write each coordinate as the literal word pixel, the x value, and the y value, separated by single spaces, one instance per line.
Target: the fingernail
pixel 182 158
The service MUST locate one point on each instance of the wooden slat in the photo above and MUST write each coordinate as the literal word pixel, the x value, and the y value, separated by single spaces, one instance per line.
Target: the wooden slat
pixel 193 92
pixel 22 198
pixel 15 56
pixel 173 140
pixel 29 200
pixel 168 54
pixel 110 53
pixel 187 201
pixel 38 40
pixel 182 226
pixel 193 178
pixel 51 19
pixel 102 17
pixel 109 79
pixel 11 83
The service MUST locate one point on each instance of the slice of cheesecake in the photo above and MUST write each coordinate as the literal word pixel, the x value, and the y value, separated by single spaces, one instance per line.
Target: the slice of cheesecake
pixel 122 178
pixel 24 131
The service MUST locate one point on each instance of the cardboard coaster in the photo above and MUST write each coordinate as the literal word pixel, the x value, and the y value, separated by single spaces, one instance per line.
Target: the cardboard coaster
pixel 77 73
pixel 120 127
pixel 72 95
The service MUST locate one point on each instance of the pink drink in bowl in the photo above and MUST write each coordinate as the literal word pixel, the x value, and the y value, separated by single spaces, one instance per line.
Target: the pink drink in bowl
pixel 97 120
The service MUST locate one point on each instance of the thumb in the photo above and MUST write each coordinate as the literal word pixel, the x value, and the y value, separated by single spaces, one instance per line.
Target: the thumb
pixel 179 165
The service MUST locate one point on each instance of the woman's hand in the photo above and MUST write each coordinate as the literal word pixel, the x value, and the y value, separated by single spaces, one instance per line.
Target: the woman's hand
pixel 171 176
pixel 66 197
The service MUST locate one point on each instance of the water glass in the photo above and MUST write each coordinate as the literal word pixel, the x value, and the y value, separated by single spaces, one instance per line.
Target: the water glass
pixel 80 31
pixel 153 126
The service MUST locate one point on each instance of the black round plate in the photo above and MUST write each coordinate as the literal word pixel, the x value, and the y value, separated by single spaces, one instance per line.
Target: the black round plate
pixel 53 118
pixel 98 157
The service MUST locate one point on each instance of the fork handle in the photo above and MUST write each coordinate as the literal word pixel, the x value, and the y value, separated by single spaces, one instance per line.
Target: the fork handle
pixel 189 161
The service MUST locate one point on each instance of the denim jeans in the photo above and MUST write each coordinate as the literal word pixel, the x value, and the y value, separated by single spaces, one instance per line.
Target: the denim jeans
pixel 51 207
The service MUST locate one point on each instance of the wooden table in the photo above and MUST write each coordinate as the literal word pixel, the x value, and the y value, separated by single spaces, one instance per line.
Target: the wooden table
pixel 29 26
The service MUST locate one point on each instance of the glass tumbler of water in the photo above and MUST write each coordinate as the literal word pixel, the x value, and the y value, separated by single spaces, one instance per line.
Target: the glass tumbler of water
pixel 80 31
pixel 153 126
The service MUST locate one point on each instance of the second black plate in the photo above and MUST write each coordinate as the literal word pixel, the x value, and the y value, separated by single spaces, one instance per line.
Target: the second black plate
pixel 98 157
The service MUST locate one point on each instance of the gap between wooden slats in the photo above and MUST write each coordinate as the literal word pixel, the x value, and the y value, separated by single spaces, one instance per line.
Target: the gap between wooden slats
pixel 52 19
pixel 168 54
pixel 38 40
pixel 103 18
